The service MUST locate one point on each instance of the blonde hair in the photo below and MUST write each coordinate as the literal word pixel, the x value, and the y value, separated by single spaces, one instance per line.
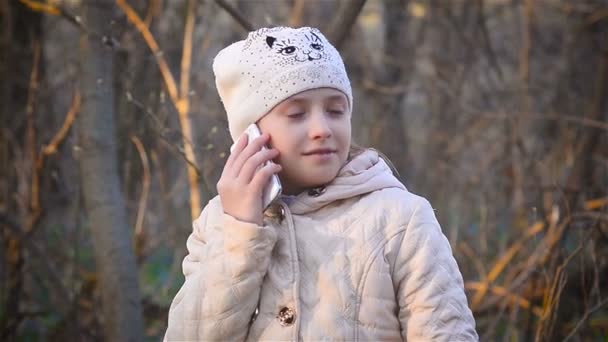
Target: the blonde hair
pixel 356 149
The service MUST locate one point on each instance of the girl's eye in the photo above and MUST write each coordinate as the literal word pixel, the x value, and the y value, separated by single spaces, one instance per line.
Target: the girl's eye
pixel 296 115
pixel 336 112
pixel 288 50
pixel 316 46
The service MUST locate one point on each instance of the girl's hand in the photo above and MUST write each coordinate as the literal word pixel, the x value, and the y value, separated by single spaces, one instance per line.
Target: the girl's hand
pixel 240 187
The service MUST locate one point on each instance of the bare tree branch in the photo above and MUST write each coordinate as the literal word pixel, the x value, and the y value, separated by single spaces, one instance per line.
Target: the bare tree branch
pixel 139 223
pixel 343 21
pixel 245 24
pixel 57 9
pixel 588 313
pixel 179 97
pixel 297 11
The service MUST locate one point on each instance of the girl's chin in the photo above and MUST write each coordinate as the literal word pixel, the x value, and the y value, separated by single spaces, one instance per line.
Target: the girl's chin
pixel 296 182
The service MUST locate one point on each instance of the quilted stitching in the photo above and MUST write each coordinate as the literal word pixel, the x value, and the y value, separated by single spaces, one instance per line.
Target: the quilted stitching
pixel 366 260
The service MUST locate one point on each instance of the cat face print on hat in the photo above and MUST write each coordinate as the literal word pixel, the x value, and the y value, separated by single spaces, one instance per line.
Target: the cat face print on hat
pixel 272 64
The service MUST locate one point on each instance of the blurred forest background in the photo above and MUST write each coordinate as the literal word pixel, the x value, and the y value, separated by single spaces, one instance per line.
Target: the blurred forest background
pixel 113 138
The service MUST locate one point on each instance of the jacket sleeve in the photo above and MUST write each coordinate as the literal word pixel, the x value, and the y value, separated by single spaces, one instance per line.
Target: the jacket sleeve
pixel 430 291
pixel 226 262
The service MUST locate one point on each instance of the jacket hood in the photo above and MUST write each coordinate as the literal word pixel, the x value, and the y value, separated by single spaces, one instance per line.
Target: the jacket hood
pixel 365 173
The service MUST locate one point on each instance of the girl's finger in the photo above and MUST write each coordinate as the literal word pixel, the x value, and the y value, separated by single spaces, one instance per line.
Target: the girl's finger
pixel 253 147
pixel 254 162
pixel 236 149
pixel 262 177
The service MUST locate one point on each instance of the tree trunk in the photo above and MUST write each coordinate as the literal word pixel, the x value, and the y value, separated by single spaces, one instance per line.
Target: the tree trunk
pixel 386 130
pixel 105 205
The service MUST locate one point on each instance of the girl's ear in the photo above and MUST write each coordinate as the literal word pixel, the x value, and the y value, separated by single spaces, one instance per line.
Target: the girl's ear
pixel 270 40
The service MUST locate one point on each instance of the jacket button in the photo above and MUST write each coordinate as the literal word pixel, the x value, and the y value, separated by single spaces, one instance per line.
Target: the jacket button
pixel 286 316
pixel 316 192
pixel 275 212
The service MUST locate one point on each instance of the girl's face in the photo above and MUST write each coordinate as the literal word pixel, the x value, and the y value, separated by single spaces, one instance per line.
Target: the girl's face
pixel 312 132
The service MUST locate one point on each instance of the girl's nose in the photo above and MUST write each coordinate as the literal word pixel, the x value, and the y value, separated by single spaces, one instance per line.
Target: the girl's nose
pixel 319 126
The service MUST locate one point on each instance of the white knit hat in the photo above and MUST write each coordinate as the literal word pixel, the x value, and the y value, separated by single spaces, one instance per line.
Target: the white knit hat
pixel 254 75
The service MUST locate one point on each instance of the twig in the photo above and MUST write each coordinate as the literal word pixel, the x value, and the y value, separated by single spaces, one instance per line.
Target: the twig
pixel 581 173
pixel 295 18
pixel 53 9
pixel 504 260
pixel 48 150
pixel 597 16
pixel 245 24
pixel 504 292
pixel 153 10
pixel 464 247
pixel 179 97
pixel 51 147
pixel 537 259
pixel 34 205
pixel 139 222
pixel 585 317
pixel 41 7
pixel 187 50
pixel 591 215
pixel 596 203
pixel 58 10
pixel 180 150
pixel 162 132
pixel 194 176
pixel 553 295
pixel 524 57
pixel 153 45
pixel 370 84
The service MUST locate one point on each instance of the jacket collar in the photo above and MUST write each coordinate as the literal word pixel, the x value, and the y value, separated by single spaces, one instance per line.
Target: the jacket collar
pixel 365 173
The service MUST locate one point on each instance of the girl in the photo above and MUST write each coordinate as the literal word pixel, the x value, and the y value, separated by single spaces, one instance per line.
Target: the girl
pixel 346 253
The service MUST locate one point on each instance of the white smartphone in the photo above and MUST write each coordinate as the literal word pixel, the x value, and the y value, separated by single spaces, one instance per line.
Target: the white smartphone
pixel 273 189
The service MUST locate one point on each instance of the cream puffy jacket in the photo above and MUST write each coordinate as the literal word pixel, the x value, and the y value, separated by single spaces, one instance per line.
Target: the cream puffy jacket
pixel 361 259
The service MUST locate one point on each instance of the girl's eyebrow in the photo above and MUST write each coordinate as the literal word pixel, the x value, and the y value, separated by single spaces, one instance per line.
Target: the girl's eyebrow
pixel 330 98
pixel 296 100
pixel 336 97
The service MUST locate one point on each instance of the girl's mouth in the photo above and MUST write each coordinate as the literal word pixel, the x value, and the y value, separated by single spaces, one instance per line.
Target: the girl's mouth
pixel 319 151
